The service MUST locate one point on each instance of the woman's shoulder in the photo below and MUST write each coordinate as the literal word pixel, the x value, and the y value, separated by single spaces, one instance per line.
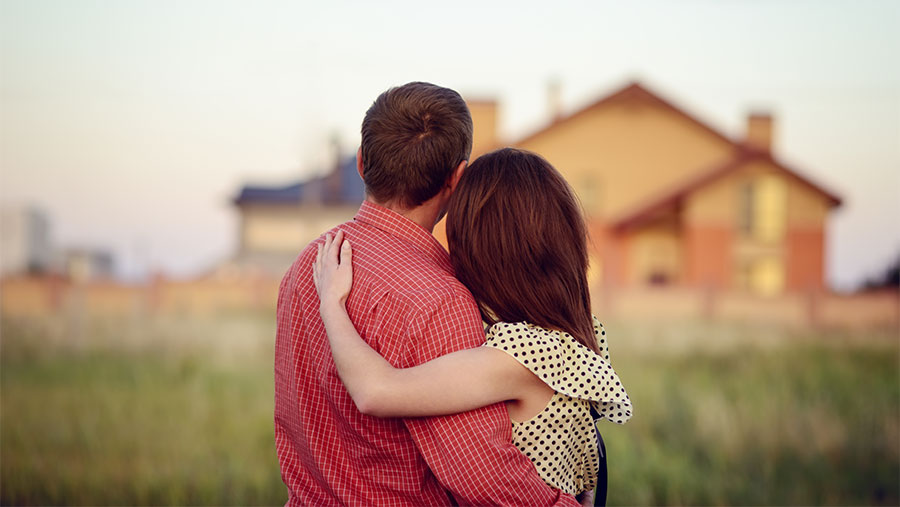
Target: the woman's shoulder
pixel 506 331
pixel 521 335
pixel 512 329
pixel 562 362
pixel 538 349
pixel 600 336
pixel 502 332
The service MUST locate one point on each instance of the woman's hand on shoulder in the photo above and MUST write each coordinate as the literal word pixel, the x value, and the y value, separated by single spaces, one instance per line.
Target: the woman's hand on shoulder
pixel 333 269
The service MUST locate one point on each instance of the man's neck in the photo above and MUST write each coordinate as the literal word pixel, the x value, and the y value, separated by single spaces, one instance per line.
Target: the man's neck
pixel 425 215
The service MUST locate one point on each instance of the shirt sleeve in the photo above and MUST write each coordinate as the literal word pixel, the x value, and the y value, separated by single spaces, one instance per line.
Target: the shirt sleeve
pixel 471 453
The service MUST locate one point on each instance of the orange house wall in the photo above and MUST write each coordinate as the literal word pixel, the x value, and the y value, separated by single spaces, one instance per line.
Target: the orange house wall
pixel 805 259
pixel 708 256
pixel 613 250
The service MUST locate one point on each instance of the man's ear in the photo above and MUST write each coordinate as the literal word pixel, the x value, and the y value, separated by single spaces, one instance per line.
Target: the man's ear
pixel 457 174
pixel 359 164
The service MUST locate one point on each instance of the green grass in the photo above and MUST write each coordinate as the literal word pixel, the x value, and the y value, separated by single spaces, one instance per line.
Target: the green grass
pixel 808 422
pixel 181 413
pixel 122 425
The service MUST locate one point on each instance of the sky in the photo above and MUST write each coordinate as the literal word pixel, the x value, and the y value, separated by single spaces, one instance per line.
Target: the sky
pixel 133 123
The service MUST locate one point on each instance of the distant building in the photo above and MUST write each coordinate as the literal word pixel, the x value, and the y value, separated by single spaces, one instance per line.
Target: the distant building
pixel 24 241
pixel 672 201
pixel 277 222
pixel 85 264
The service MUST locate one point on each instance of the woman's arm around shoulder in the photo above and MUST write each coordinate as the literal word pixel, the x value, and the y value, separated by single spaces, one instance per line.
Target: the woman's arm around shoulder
pixel 453 383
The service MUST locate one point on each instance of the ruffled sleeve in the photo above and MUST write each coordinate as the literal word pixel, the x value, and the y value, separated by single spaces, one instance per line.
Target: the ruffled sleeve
pixel 600 335
pixel 565 365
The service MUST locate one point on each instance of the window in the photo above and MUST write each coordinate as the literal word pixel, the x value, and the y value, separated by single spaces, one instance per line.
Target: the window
pixel 763 275
pixel 763 208
pixel 767 276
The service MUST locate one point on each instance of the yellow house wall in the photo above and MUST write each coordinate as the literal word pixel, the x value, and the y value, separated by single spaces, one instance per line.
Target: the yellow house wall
pixel 288 228
pixel 619 155
pixel 718 204
pixel 805 207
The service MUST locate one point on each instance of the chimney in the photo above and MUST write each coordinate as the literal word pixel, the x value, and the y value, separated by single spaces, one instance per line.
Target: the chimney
pixel 554 99
pixel 759 131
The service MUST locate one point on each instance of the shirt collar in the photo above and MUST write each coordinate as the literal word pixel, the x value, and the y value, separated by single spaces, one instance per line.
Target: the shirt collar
pixel 405 229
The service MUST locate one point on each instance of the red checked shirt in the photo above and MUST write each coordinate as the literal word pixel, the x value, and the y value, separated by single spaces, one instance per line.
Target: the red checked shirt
pixel 407 305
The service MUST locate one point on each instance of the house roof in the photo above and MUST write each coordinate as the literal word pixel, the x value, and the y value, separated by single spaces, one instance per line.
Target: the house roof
pixel 631 91
pixel 342 186
pixel 675 196
pixel 743 153
pixel 285 194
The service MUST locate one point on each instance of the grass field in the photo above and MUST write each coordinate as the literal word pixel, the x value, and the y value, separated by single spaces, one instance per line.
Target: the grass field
pixel 169 412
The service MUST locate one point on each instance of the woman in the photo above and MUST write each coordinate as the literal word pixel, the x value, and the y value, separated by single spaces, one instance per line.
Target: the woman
pixel 517 241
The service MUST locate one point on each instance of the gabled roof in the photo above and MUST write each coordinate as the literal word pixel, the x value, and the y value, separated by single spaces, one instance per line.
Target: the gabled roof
pixel 630 92
pixel 634 91
pixel 341 186
pixel 674 197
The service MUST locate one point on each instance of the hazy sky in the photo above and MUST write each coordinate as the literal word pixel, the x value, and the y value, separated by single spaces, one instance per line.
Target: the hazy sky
pixel 132 123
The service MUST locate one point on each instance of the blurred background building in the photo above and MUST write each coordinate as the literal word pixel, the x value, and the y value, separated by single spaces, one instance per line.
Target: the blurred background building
pixel 84 264
pixel 672 201
pixel 277 222
pixel 25 245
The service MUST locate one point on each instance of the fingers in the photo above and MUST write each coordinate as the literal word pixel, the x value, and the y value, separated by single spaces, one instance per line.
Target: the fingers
pixel 324 252
pixel 333 249
pixel 326 247
pixel 317 264
pixel 332 269
pixel 346 254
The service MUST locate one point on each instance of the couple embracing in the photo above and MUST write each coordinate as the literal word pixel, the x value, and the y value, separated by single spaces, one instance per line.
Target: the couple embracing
pixel 388 389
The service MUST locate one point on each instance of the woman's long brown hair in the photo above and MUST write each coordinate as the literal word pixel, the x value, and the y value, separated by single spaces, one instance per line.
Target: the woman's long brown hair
pixel 518 242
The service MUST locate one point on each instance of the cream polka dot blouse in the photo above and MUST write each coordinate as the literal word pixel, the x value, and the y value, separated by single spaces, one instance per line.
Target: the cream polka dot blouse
pixel 560 440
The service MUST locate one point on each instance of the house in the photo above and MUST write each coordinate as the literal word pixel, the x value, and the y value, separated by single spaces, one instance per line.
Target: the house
pixel 277 222
pixel 672 201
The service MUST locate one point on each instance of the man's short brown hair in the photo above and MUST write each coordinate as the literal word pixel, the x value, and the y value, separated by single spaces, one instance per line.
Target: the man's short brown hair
pixel 413 137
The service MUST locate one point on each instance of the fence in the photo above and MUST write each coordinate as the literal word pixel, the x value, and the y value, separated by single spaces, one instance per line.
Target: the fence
pixel 38 296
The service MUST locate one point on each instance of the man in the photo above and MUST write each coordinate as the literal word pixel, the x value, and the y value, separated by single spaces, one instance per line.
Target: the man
pixel 405 302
